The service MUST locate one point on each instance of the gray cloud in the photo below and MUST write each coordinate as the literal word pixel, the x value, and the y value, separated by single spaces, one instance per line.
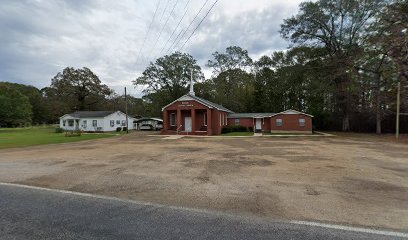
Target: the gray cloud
pixel 40 38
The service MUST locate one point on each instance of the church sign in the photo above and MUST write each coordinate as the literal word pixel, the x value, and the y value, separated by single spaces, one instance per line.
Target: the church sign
pixel 186 104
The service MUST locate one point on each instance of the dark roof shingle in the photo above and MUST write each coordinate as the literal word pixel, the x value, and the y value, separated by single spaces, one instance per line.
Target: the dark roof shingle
pixel 91 114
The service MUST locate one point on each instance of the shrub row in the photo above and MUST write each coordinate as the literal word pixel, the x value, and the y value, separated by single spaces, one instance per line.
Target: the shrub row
pixel 238 128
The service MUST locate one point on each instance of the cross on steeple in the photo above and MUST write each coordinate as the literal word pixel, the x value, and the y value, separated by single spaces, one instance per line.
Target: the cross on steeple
pixel 191 85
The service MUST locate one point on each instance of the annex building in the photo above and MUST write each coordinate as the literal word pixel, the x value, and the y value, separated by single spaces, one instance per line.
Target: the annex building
pixel 191 115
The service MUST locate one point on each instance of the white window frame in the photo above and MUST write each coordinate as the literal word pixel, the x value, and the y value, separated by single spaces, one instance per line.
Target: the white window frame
pixel 112 123
pixel 173 123
pixel 302 122
pixel 237 121
pixel 94 123
pixel 123 123
pixel 64 122
pixel 117 122
pixel 84 123
pixel 205 119
pixel 71 121
pixel 279 122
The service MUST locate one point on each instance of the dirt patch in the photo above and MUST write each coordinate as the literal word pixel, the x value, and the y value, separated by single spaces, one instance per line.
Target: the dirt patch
pixel 344 180
pixel 373 185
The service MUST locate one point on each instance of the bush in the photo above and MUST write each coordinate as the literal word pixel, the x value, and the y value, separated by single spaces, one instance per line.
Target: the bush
pixel 124 128
pixel 59 130
pixel 238 128
pixel 250 129
pixel 118 129
pixel 226 129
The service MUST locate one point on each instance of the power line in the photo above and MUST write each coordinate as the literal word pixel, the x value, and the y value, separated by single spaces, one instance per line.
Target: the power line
pixel 176 42
pixel 148 31
pixel 178 24
pixel 198 24
pixel 165 24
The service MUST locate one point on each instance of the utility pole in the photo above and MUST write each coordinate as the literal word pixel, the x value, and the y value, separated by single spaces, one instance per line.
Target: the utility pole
pixel 126 110
pixel 398 111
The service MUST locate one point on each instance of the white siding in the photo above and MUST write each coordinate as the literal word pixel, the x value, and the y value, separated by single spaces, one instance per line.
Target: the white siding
pixel 103 124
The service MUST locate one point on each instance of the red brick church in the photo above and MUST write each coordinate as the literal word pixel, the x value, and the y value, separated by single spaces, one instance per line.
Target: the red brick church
pixel 191 115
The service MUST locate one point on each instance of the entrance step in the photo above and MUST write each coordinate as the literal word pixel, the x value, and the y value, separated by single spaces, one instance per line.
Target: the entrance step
pixel 257 134
pixel 173 137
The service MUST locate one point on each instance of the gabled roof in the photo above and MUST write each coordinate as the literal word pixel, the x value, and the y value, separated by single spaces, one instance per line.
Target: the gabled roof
pixel 249 115
pixel 90 114
pixel 262 115
pixel 200 100
pixel 291 111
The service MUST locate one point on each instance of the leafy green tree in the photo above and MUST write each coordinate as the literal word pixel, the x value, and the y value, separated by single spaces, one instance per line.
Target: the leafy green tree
pixel 234 58
pixel 233 84
pixel 15 108
pixel 167 79
pixel 170 75
pixel 80 89
pixel 339 27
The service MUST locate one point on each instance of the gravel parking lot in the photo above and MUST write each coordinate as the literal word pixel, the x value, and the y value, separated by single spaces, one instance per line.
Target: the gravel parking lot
pixel 361 181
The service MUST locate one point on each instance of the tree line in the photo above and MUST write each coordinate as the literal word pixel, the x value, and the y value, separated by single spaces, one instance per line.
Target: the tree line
pixel 70 90
pixel 343 66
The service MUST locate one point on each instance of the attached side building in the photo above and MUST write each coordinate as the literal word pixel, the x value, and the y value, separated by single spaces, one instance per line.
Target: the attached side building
pixel 95 121
pixel 286 121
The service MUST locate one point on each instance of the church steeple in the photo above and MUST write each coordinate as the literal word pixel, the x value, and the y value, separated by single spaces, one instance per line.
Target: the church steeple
pixel 192 93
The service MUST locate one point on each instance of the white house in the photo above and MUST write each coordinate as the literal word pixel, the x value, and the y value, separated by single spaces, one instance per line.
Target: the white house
pixel 95 121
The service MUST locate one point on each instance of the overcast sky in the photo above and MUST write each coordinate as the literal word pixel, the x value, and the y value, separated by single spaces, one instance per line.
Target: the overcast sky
pixel 39 38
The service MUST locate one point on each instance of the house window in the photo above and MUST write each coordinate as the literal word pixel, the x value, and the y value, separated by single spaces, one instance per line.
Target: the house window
pixel 64 122
pixel 117 122
pixel 205 119
pixel 123 123
pixel 279 122
pixel 225 116
pixel 173 119
pixel 71 122
pixel 112 123
pixel 237 121
pixel 302 122
pixel 94 123
pixel 84 123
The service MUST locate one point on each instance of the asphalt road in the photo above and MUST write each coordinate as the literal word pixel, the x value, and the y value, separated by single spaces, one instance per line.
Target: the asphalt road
pixel 27 213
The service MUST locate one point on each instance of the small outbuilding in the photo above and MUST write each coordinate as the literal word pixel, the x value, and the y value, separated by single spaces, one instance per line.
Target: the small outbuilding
pixel 95 121
pixel 148 123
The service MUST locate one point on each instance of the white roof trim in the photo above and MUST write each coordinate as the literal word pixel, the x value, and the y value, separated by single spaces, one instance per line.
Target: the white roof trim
pixel 186 98
pixel 291 111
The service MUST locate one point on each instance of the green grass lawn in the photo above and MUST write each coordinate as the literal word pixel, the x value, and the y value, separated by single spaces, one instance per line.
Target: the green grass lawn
pixel 238 134
pixel 23 137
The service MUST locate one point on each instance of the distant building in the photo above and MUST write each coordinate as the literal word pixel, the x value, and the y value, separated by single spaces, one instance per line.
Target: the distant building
pixel 190 114
pixel 95 121
pixel 146 123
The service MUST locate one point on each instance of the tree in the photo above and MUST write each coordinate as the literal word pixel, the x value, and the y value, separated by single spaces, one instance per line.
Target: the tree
pixel 15 108
pixel 232 82
pixel 234 58
pixel 391 37
pixel 80 89
pixel 34 96
pixel 339 27
pixel 170 75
